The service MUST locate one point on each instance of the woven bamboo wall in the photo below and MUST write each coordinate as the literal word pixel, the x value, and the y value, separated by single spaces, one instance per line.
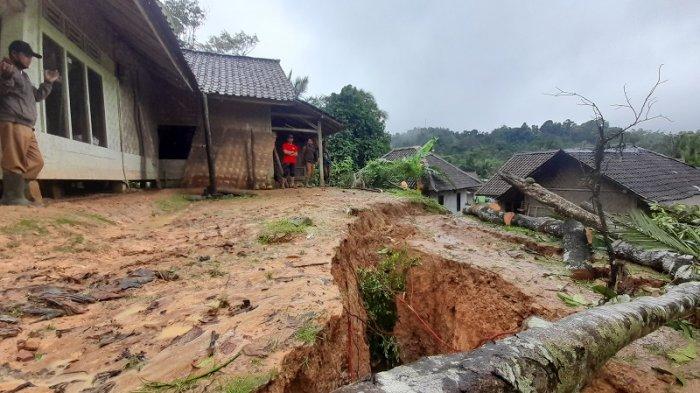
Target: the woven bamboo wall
pixel 243 143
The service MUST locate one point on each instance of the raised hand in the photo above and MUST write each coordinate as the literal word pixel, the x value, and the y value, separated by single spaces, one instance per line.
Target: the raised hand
pixel 52 76
pixel 7 69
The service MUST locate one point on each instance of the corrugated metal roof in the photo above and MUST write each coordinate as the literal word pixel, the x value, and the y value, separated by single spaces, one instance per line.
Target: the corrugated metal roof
pixel 454 178
pixel 240 76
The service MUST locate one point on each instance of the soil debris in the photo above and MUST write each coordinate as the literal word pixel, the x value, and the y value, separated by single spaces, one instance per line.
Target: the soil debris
pixel 165 295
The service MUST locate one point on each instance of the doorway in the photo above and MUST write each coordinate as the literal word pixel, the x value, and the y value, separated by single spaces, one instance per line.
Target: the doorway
pixel 174 144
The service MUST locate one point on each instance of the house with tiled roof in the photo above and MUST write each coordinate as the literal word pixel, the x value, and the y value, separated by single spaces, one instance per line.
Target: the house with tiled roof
pixel 120 64
pixel 450 186
pixel 132 106
pixel 252 108
pixel 632 178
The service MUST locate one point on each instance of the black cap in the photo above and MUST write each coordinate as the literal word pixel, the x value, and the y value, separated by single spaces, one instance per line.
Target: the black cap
pixel 23 47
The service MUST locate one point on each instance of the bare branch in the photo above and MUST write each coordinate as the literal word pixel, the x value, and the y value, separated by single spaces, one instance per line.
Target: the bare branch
pixel 641 114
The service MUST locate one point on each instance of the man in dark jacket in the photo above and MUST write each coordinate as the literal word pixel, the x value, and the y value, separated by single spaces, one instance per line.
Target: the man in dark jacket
pixel 310 156
pixel 21 159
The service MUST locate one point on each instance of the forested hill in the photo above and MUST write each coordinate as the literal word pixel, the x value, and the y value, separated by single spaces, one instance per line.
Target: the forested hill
pixel 484 152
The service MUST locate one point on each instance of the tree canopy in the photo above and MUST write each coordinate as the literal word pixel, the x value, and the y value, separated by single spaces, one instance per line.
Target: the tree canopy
pixel 485 152
pixel 187 16
pixel 365 137
pixel 233 44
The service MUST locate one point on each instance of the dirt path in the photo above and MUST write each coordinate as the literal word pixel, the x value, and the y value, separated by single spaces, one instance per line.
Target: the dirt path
pixel 162 329
pixel 174 287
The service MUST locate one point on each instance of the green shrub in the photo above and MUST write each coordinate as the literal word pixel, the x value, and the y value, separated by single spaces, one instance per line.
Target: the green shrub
pixel 342 173
pixel 429 204
pixel 280 231
pixel 378 287
pixel 247 383
pixel 308 332
pixel 384 174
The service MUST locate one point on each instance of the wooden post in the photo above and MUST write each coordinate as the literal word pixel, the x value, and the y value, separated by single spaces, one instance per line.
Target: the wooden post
pixel 252 160
pixel 322 181
pixel 207 141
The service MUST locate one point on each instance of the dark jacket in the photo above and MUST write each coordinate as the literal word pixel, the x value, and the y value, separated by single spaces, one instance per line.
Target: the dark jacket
pixel 18 98
pixel 310 154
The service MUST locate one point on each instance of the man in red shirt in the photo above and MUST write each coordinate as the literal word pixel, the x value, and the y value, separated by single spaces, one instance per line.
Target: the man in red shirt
pixel 289 161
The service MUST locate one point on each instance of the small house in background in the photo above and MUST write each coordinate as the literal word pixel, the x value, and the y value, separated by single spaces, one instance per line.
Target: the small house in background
pixel 453 189
pixel 632 178
pixel 252 108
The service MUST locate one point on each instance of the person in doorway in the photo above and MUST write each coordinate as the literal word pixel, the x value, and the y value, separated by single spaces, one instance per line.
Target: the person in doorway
pixel 21 159
pixel 310 157
pixel 289 161
pixel 326 166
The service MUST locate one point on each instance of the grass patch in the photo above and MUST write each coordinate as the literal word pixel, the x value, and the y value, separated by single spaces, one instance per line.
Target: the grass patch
pixel 72 245
pixel 68 221
pixel 214 269
pixel 25 226
pixel 308 332
pixel 172 203
pixel 644 271
pixel 429 204
pixel 82 219
pixel 186 383
pixel 280 231
pixel 247 383
pixel 98 217
pixel 378 287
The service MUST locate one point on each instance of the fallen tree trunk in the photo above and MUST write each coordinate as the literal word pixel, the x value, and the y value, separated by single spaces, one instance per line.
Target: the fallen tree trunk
pixel 556 202
pixel 561 357
pixel 577 251
pixel 679 267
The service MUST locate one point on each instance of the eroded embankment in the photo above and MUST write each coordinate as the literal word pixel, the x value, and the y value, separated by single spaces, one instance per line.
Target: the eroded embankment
pixel 447 306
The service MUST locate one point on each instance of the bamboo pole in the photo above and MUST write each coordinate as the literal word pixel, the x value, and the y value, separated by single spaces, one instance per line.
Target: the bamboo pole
pixel 207 141
pixel 322 181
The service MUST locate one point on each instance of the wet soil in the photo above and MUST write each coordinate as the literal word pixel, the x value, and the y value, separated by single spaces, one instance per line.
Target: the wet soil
pixel 216 291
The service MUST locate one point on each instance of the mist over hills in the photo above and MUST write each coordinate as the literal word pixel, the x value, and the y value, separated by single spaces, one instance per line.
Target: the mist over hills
pixel 484 152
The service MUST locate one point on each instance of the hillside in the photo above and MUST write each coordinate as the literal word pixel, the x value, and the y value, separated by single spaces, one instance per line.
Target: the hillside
pixel 484 152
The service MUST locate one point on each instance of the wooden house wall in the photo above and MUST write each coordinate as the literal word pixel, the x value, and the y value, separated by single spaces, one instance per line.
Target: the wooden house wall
pixel 567 177
pixel 129 82
pixel 243 143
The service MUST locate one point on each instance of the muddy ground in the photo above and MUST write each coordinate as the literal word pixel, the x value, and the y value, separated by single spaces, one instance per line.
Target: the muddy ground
pixel 108 293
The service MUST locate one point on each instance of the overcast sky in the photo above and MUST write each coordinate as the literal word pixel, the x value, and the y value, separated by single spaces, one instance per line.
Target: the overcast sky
pixel 482 64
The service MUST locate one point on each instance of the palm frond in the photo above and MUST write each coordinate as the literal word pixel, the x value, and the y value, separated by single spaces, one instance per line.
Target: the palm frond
pixel 640 229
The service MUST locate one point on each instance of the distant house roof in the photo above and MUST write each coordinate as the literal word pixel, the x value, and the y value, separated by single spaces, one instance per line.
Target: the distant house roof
pixel 454 178
pixel 650 175
pixel 521 164
pixel 240 76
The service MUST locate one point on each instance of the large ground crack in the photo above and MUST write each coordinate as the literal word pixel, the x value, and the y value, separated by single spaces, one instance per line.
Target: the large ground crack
pixel 447 306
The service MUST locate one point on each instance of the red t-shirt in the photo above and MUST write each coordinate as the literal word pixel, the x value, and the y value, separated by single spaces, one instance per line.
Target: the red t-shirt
pixel 289 159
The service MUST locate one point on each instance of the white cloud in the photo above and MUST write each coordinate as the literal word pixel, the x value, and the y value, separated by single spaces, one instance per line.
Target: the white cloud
pixel 480 64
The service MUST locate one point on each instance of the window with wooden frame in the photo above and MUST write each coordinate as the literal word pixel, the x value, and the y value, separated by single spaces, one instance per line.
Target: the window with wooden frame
pixel 56 120
pixel 75 108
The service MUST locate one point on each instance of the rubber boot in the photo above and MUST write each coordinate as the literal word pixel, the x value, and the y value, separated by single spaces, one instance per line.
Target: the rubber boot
pixel 13 189
pixel 34 192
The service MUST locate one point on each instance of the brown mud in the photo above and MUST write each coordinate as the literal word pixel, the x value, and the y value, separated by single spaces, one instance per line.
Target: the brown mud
pixel 216 292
